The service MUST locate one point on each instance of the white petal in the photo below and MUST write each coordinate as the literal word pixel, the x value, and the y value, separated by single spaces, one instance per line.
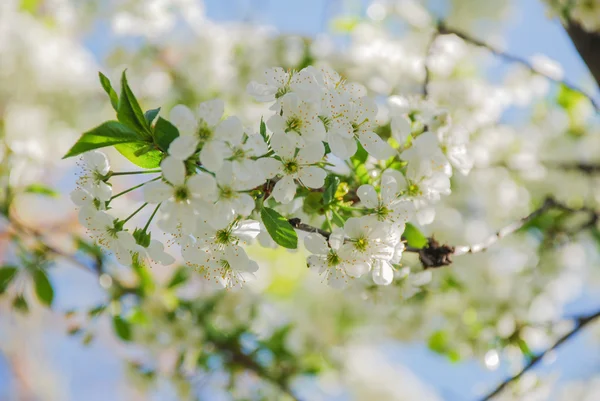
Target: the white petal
pixel 103 191
pixel 316 243
pixel 183 147
pixel 317 263
pixel 247 230
pixel 284 144
pixel 245 205
pixel 336 239
pixel 203 186
pixel 342 147
pixel 184 120
pixel 173 170
pixel 81 197
pixel 389 189
pixel 312 153
pixel 357 268
pixel 211 155
pixel 401 128
pixel 126 240
pixel 376 147
pixel 276 124
pixel 211 111
pixel 230 130
pixel 368 196
pixel 97 161
pixel 284 190
pixel 312 176
pixel 270 167
pixel 156 252
pixel 156 192
pixel 255 145
pixel 261 92
pixel 383 273
pixel 276 76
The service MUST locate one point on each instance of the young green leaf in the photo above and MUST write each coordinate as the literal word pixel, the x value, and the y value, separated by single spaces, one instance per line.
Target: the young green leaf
pixel 150 115
pixel 107 134
pixel 114 98
pixel 129 112
pixel 180 276
pixel 41 190
pixel 122 328
pixel 150 159
pixel 164 133
pixel 331 185
pixel 279 228
pixel 7 273
pixel 43 287
pixel 263 130
pixel 414 237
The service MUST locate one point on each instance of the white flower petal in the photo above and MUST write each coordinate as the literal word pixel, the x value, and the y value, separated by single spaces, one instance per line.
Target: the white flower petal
pixel 368 196
pixel 312 153
pixel 312 176
pixel 316 243
pixel 184 120
pixel 211 111
pixel 183 147
pixel 284 190
pixel 231 130
pixel 156 192
pixel 173 170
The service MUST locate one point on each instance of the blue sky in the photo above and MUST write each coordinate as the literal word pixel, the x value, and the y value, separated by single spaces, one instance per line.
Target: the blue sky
pixel 529 32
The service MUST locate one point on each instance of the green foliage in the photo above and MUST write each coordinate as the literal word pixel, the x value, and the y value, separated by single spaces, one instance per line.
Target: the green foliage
pixel 414 237
pixel 122 328
pixel 7 274
pixel 164 133
pixel 439 342
pixel 43 287
pixel 263 130
pixel 180 276
pixel 114 98
pixel 41 190
pixel 106 134
pixel 279 228
pixel 148 158
pixel 331 185
pixel 151 115
pixel 129 111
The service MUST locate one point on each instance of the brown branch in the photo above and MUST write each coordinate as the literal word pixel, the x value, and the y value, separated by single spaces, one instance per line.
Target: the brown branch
pixel 435 254
pixel 588 46
pixel 580 323
pixel 445 30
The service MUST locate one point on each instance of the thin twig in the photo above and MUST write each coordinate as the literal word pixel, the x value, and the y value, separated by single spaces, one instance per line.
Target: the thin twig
pixel 580 323
pixel 426 63
pixel 445 30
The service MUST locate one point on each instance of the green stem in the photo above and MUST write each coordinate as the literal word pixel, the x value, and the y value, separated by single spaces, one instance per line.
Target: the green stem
pixel 328 221
pixel 136 172
pixel 133 188
pixel 151 217
pixel 134 213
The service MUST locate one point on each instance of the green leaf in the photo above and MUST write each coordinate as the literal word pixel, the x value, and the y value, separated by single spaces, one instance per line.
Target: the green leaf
pixel 569 98
pixel 414 237
pixel 41 189
pixel 122 328
pixel 279 228
pixel 106 134
pixel 263 130
pixel 331 185
pixel 180 276
pixel 438 342
pixel 96 310
pixel 7 273
pixel 105 82
pixel 150 115
pixel 129 111
pixel 149 159
pixel 43 287
pixel 164 133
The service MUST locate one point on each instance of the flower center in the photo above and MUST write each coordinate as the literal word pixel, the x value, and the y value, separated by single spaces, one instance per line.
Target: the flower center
pixel 290 167
pixel 382 212
pixel 361 244
pixel 356 127
pixel 226 192
pixel 181 194
pixel 413 190
pixel 224 237
pixel 282 91
pixel 204 132
pixel 294 124
pixel 238 154
pixel 333 259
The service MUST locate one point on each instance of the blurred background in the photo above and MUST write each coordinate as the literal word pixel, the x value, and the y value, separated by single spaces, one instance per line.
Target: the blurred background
pixel 453 338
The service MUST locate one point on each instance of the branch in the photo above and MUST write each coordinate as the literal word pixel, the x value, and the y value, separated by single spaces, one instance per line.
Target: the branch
pixel 435 254
pixel 426 63
pixel 444 30
pixel 580 323
pixel 588 46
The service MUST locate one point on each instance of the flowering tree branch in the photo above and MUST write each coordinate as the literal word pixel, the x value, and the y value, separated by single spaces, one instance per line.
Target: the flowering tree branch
pixel 587 47
pixel 580 323
pixel 587 44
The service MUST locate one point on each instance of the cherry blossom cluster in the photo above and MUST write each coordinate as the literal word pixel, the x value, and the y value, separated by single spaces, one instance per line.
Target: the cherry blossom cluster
pixel 584 12
pixel 220 185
